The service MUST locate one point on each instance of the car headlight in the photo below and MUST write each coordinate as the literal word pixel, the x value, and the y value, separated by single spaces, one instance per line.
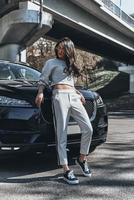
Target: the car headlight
pixel 7 101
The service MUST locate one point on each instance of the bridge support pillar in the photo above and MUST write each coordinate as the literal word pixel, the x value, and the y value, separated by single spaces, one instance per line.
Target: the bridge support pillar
pixel 10 52
pixel 21 28
pixel 23 56
pixel 130 70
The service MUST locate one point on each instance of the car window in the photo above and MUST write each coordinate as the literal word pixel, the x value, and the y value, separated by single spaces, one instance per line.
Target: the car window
pixel 29 74
pixel 15 71
pixel 6 73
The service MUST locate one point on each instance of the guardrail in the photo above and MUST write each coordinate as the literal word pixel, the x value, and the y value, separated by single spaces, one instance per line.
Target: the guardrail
pixel 119 12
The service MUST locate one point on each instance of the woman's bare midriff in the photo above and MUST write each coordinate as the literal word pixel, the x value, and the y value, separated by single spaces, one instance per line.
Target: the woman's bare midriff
pixel 62 87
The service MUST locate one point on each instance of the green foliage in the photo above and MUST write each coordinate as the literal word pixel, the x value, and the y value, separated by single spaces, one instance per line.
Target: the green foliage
pixel 102 78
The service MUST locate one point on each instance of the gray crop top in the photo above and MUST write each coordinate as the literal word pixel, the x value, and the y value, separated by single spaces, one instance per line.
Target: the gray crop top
pixel 53 73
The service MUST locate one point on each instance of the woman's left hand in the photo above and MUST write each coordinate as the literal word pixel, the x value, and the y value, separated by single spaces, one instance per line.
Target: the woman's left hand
pixel 82 98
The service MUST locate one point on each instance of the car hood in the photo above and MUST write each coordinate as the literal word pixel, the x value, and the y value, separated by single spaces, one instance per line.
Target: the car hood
pixel 19 90
pixel 28 91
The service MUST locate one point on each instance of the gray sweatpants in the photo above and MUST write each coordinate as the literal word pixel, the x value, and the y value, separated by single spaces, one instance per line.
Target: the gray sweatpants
pixel 66 103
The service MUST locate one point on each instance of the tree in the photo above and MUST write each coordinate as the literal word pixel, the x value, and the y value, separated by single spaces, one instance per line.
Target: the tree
pixel 39 52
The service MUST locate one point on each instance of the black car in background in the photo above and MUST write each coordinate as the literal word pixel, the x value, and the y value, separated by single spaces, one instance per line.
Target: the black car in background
pixel 24 127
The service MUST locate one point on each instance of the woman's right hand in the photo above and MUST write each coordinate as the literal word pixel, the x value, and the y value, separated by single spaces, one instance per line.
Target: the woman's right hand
pixel 39 99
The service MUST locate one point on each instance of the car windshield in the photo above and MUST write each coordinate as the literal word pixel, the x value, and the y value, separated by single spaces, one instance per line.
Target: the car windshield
pixel 9 71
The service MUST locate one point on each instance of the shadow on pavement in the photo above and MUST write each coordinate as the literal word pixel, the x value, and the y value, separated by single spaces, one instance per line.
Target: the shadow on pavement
pixel 28 165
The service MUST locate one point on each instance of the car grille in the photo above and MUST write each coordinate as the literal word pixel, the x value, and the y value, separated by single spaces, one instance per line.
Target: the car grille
pixel 91 109
pixel 90 106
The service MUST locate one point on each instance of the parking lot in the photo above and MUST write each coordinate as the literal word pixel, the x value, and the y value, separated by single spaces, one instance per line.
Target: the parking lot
pixel 36 177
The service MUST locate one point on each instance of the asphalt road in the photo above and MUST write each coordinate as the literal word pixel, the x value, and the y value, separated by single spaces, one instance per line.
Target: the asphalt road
pixel 37 178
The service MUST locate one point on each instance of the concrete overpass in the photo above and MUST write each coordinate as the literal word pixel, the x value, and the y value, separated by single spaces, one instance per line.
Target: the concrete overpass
pixel 97 26
pixel 91 24
pixel 92 27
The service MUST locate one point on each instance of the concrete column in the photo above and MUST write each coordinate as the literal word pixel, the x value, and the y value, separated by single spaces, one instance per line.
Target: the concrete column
pixel 23 56
pixel 132 83
pixel 10 52
pixel 21 28
pixel 130 70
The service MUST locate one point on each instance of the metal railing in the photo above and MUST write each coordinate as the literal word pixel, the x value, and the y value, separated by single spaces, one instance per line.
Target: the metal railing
pixel 118 12
pixel 107 3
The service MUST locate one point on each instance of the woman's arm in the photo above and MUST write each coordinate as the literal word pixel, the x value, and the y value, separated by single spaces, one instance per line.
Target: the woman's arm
pixel 43 81
pixel 40 96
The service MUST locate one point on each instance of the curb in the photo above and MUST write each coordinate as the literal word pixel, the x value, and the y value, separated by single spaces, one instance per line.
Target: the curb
pixel 123 112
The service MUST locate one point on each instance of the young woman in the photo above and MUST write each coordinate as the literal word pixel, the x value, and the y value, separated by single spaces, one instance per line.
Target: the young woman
pixel 59 72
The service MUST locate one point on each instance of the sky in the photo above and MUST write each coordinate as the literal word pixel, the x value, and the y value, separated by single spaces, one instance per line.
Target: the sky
pixel 126 5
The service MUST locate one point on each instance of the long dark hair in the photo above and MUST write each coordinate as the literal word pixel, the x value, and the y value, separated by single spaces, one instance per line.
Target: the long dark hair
pixel 70 57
